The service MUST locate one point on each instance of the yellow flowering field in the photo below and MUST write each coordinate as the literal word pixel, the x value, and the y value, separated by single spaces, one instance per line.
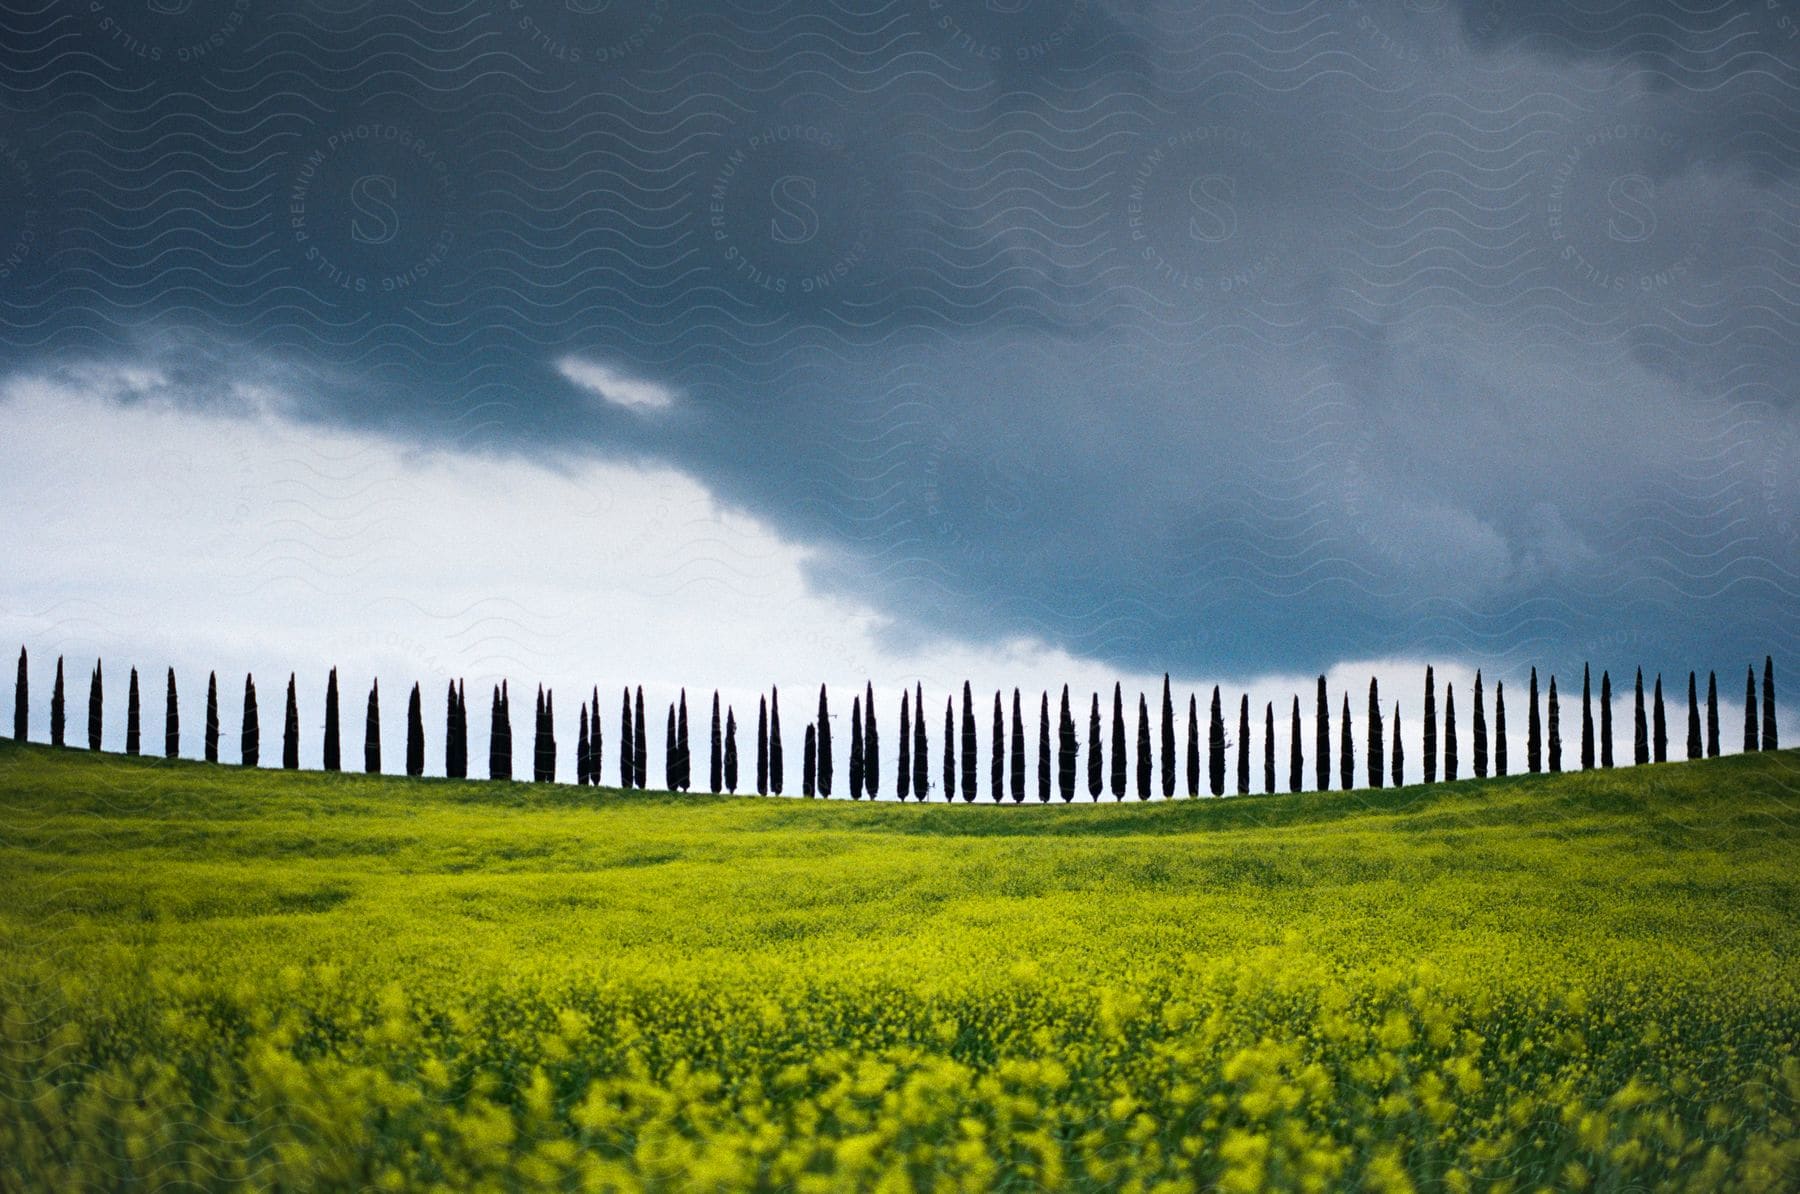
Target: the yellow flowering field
pixel 222 979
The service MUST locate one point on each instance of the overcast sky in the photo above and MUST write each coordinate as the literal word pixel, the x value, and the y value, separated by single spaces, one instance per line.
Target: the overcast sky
pixel 727 345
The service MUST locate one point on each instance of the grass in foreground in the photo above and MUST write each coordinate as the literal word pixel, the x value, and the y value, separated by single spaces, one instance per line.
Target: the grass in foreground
pixel 298 980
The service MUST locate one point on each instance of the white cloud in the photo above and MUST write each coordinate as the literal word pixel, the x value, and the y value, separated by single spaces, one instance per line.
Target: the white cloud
pixel 610 384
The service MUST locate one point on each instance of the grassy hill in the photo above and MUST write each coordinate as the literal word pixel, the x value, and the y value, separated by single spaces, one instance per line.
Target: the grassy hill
pixel 305 980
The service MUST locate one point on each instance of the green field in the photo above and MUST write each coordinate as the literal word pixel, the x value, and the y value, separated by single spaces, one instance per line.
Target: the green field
pixel 300 981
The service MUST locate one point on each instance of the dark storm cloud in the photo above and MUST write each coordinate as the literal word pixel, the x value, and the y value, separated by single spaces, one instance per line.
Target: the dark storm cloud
pixel 1208 336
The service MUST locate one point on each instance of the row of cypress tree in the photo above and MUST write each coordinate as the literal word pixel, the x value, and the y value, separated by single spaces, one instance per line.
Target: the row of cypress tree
pixel 1383 762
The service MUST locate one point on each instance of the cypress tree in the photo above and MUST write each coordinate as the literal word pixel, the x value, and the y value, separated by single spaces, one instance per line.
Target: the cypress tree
pixel 1065 750
pixel 1346 750
pixel 581 748
pixel 1770 740
pixel 1018 752
pixel 1587 722
pixel 1431 739
pixel 1377 747
pixel 1118 743
pixel 824 745
pixel 921 748
pixel 1168 742
pixel 731 759
pixel 903 766
pixel 997 752
pixel 415 734
pixel 683 755
pixel 1659 737
pixel 538 739
pixel 1500 728
pixel 596 742
pixel 1095 765
pixel 672 755
pixel 809 765
pixel 871 743
pixel 950 749
pixel 211 744
pixel 499 766
pixel 1555 731
pixel 1043 770
pixel 171 721
pixel 1694 746
pixel 1193 747
pixel 450 735
pixel 1397 758
pixel 1534 732
pixel 1712 715
pixel 856 749
pixel 1640 749
pixel 1450 760
pixel 133 726
pixel 95 701
pixel 506 738
pixel 1296 762
pixel 58 710
pixel 640 745
pixel 1215 747
pixel 1750 708
pixel 1243 745
pixel 21 701
pixel 250 734
pixel 1143 749
pixel 715 772
pixel 776 769
pixel 462 733
pixel 1269 749
pixel 333 743
pixel 290 730
pixel 762 746
pixel 1606 742
pixel 971 751
pixel 1481 733
pixel 1322 741
pixel 372 731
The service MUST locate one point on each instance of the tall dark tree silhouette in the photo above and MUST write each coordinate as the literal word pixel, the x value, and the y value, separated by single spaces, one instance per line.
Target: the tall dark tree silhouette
pixel 1243 745
pixel 826 769
pixel 921 748
pixel 1770 739
pixel 1555 731
pixel 671 755
pixel 1587 721
pixel 1534 730
pixel 133 717
pixel 627 772
pixel 1479 716
pixel 1296 760
pixel 21 701
pixel 372 731
pixel 1377 750
pixel 1043 759
pixel 1606 742
pixel 683 755
pixel 1168 741
pixel 250 733
pixel 1018 751
pixel 640 744
pixel 971 750
pixel 903 764
pixel 332 742
pixel 762 746
pixel 415 734
pixel 1269 749
pixel 731 756
pixel 96 700
pixel 171 720
pixel 462 729
pixel 1322 741
pixel 451 744
pixel 809 762
pixel 500 736
pixel 596 741
pixel 1712 715
pixel 715 771
pixel 775 759
pixel 210 743
pixel 582 753
pixel 1346 749
pixel 1065 750
pixel 1143 748
pixel 1118 743
pixel 1659 726
pixel 290 730
pixel 1750 708
pixel 949 749
pixel 1095 764
pixel 997 751
pixel 1430 752
pixel 1215 746
pixel 856 748
pixel 1193 747
pixel 1500 728
pixel 1397 756
pixel 58 706
pixel 871 743
pixel 1450 759
pixel 1694 744
pixel 1640 743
